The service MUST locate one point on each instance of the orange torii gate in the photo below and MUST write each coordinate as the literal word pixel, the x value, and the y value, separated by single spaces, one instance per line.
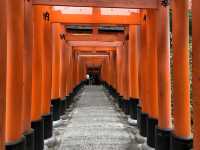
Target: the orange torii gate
pixel 100 3
pixel 195 72
pixel 154 23
pixel 57 16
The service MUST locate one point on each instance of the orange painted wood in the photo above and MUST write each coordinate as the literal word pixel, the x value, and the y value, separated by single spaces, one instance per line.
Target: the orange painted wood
pixel 101 3
pixel 93 49
pixel 95 43
pixel 56 60
pixel 164 85
pixel 67 69
pixel 144 66
pixel 46 64
pixel 63 72
pixel 119 72
pixel 95 37
pixel 182 123
pixel 133 59
pixel 125 75
pixel 196 71
pixel 70 69
pixel 113 68
pixel 36 109
pixel 74 73
pixel 58 17
pixel 3 56
pixel 152 68
pixel 27 66
pixel 14 81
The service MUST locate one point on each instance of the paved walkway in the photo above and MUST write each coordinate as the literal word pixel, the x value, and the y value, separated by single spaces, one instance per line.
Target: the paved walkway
pixel 96 124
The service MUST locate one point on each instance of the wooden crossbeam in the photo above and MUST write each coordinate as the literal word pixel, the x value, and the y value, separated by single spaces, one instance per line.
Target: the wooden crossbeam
pixel 101 3
pixel 95 43
pixel 95 37
pixel 58 17
pixel 91 49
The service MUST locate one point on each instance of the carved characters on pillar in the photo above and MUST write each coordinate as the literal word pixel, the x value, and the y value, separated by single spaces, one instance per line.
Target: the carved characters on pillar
pixel 165 3
pixel 62 36
pixel 46 16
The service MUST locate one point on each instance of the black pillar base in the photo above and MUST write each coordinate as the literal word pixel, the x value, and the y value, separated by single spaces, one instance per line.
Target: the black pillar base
pixel 126 106
pixel 62 106
pixel 162 139
pixel 178 143
pixel 133 102
pixel 139 110
pixel 56 103
pixel 71 98
pixel 151 129
pixel 143 124
pixel 18 145
pixel 48 125
pixel 30 139
pixel 67 103
pixel 38 127
pixel 120 102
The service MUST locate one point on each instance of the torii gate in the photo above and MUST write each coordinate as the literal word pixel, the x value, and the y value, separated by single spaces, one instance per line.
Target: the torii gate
pixel 14 50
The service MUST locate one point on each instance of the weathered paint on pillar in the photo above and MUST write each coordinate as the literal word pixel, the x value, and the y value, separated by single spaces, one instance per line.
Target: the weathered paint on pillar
pixel 36 108
pixel 119 72
pixel 133 62
pixel 113 68
pixel 125 67
pixel 152 63
pixel 144 65
pixel 47 63
pixel 164 83
pixel 182 124
pixel 56 60
pixel 27 66
pixel 14 81
pixel 67 68
pixel 63 72
pixel 3 56
pixel 196 71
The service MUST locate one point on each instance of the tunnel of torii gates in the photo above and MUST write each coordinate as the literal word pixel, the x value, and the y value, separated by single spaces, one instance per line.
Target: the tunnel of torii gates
pixel 42 67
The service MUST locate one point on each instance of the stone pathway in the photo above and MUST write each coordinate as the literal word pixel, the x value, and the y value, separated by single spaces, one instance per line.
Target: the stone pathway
pixel 96 124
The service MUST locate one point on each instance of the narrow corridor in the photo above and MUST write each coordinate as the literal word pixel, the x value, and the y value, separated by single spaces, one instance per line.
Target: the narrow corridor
pixel 96 124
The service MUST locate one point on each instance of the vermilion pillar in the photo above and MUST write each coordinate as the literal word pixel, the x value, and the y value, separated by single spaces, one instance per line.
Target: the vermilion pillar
pixel 47 72
pixel 56 60
pixel 182 123
pixel 164 86
pixel 133 58
pixel 14 80
pixel 152 75
pixel 143 64
pixel 27 74
pixel 125 70
pixel 27 66
pixel 63 74
pixel 63 70
pixel 196 71
pixel 125 77
pixel 70 59
pixel 133 70
pixel 67 69
pixel 3 51
pixel 36 108
pixel 113 69
pixel 119 72
pixel 143 113
pixel 55 90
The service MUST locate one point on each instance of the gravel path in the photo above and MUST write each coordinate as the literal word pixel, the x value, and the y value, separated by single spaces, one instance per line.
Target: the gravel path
pixel 96 124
